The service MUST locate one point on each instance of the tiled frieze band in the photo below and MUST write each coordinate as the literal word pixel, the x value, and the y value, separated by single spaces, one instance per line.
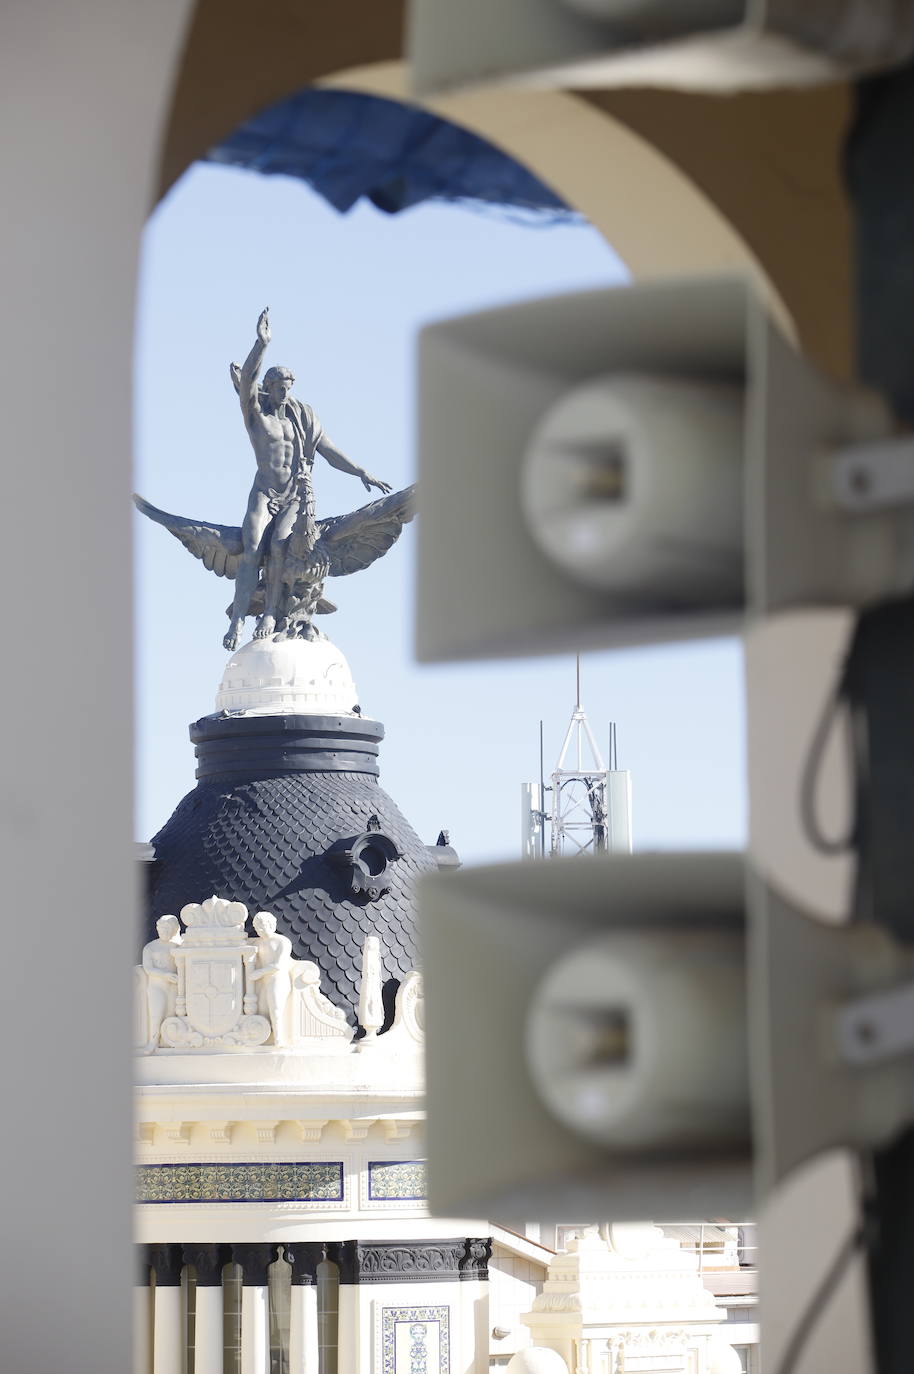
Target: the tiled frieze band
pixel 239 1183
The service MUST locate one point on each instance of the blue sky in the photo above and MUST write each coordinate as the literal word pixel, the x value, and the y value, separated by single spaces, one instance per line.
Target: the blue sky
pixel 347 295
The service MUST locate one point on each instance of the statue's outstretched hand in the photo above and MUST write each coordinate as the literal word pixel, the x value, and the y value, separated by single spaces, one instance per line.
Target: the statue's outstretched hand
pixel 263 327
pixel 368 482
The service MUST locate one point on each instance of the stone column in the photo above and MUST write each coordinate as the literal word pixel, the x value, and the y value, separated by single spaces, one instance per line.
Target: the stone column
pixel 345 1255
pixel 473 1269
pixel 142 1314
pixel 207 1262
pixel 304 1351
pixel 255 1306
pixel 167 1262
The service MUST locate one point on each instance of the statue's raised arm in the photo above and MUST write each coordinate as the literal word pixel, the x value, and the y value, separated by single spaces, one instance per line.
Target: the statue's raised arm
pixel 246 385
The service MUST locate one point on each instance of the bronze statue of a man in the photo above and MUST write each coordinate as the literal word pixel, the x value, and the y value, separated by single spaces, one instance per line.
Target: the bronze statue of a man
pixel 285 435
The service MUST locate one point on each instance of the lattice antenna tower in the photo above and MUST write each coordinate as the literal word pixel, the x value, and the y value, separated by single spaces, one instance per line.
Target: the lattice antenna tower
pixel 586 808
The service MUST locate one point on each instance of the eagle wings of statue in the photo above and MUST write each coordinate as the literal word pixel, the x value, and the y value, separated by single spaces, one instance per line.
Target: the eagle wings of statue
pixel 281 556
pixel 340 545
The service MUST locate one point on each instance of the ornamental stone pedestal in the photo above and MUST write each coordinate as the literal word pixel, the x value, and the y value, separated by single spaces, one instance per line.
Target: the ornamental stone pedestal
pixel 633 1302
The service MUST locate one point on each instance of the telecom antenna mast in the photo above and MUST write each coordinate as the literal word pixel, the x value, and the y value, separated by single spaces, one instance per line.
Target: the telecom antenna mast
pixel 588 804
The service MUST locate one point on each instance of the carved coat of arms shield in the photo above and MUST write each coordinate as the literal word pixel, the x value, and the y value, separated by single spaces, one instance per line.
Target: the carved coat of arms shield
pixel 215 990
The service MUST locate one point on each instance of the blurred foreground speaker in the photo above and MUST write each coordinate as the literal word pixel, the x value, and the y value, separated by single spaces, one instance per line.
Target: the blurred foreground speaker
pixel 702 45
pixel 605 1039
pixel 636 465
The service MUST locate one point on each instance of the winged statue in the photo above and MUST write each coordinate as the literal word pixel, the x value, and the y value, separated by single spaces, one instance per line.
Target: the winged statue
pixel 281 554
pixel 316 550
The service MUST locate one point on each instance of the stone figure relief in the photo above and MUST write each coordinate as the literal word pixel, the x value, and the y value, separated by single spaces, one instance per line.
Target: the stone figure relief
pixel 219 988
pixel 161 971
pixel 282 554
pixel 273 972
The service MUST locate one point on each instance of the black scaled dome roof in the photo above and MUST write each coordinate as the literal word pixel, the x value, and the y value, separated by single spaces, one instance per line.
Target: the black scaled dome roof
pixel 281 807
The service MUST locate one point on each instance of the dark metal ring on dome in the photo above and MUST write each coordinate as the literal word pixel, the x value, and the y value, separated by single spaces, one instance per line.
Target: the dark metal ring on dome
pixel 364 860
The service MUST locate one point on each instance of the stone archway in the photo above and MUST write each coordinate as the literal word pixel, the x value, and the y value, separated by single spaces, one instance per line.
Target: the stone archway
pixel 678 184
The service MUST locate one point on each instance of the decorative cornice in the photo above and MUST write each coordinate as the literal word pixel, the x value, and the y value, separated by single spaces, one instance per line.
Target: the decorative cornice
pixel 255 1260
pixel 207 1262
pixel 411 1261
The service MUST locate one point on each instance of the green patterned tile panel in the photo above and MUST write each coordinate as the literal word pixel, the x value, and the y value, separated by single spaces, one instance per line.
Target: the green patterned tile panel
pixel 401 1180
pixel 239 1183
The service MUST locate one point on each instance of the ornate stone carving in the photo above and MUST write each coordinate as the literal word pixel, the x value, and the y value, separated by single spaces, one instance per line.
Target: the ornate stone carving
pixel 216 1003
pixel 407 1034
pixel 311 1131
pixel 314 1015
pixel 475 1262
pixel 399 1128
pixel 408 1261
pixel 220 989
pixel 178 1132
pixel 161 978
pixel 358 1129
pixel 635 1297
pixel 371 1002
pixel 272 973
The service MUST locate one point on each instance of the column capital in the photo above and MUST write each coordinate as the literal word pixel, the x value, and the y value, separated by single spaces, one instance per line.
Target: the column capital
pixel 304 1258
pixel 166 1262
pixel 344 1255
pixel 255 1260
pixel 142 1264
pixel 475 1261
pixel 207 1262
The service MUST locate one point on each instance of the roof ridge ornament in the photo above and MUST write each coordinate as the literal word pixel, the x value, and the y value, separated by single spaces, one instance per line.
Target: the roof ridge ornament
pixel 214 912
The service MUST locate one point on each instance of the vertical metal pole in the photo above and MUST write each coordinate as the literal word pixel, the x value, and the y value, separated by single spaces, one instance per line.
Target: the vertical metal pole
pixel 542 797
pixel 577 707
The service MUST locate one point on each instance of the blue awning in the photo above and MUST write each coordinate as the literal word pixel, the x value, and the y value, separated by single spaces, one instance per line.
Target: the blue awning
pixel 346 145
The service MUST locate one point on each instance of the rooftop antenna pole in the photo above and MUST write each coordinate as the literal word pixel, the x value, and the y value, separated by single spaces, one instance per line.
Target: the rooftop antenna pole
pixel 533 813
pixel 590 801
pixel 577 704
pixel 542 797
